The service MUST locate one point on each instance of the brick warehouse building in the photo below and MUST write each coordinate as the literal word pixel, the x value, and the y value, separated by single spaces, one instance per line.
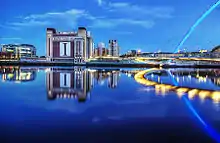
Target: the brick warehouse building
pixel 69 46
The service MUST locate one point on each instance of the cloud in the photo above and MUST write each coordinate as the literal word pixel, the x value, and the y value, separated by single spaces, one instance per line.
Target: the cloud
pixel 9 27
pixel 70 18
pixel 100 2
pixel 32 22
pixel 67 18
pixel 123 32
pixel 10 38
pixel 72 12
pixel 137 10
pixel 111 23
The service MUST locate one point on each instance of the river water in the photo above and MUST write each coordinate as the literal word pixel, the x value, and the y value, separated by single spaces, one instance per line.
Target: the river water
pixel 76 104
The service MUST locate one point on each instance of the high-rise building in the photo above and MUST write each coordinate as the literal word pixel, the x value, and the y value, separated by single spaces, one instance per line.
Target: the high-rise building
pixel 101 51
pixel 113 48
pixel 69 46
pixel 96 52
pixel 104 52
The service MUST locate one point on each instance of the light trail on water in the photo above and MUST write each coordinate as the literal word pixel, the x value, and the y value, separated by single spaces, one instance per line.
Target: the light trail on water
pixel 208 128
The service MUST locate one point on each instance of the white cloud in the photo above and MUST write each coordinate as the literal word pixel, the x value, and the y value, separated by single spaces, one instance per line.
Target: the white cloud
pixel 67 18
pixel 123 32
pixel 70 19
pixel 32 22
pixel 137 10
pixel 109 23
pixel 72 12
pixel 100 2
pixel 101 23
pixel 9 27
pixel 10 38
pixel 143 23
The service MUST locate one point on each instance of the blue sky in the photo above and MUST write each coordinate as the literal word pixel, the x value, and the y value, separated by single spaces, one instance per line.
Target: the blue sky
pixel 149 25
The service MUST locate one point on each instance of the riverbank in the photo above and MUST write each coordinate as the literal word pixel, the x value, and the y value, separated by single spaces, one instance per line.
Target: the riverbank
pixel 128 65
pixel 191 66
pixel 132 65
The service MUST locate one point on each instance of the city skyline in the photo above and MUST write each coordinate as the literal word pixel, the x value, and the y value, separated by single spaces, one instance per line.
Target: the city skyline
pixel 159 25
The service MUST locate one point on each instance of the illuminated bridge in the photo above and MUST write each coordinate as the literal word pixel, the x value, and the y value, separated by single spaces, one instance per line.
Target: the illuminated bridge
pixel 180 90
pixel 144 59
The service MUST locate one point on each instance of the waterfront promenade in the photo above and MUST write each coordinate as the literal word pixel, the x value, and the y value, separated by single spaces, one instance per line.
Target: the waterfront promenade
pixel 111 64
pixel 145 62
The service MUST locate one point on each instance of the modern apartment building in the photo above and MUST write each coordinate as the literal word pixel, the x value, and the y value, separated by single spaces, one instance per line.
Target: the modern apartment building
pixel 20 50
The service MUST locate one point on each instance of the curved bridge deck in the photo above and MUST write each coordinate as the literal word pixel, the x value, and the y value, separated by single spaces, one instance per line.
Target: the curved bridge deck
pixel 192 92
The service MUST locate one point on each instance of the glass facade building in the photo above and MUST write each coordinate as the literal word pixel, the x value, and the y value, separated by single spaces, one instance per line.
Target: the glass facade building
pixel 20 50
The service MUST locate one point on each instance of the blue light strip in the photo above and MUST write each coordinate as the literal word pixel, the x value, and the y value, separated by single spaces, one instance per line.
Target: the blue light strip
pixel 208 128
pixel 196 24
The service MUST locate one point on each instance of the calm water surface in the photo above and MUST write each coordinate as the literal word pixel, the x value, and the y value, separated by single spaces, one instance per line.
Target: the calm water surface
pixel 105 105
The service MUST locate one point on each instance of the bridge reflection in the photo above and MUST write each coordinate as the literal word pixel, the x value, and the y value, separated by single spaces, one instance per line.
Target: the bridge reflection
pixel 77 83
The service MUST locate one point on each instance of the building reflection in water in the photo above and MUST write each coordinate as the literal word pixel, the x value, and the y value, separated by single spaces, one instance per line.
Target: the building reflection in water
pixel 113 79
pixel 202 75
pixel 76 83
pixel 18 74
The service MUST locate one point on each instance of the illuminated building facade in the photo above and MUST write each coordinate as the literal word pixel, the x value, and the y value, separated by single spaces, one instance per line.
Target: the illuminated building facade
pixel 6 55
pixel 20 50
pixel 113 48
pixel 69 46
pixel 68 84
pixel 203 51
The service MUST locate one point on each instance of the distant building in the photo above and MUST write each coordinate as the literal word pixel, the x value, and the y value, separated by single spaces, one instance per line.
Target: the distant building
pixel 6 55
pixel 113 48
pixel 104 52
pixel 101 45
pixel 203 51
pixel 20 50
pixel 101 51
pixel 132 52
pixel 69 46
pixel 96 52
pixel 164 54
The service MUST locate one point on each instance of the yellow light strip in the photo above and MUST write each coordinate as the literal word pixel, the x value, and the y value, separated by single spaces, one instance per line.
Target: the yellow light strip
pixel 192 92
